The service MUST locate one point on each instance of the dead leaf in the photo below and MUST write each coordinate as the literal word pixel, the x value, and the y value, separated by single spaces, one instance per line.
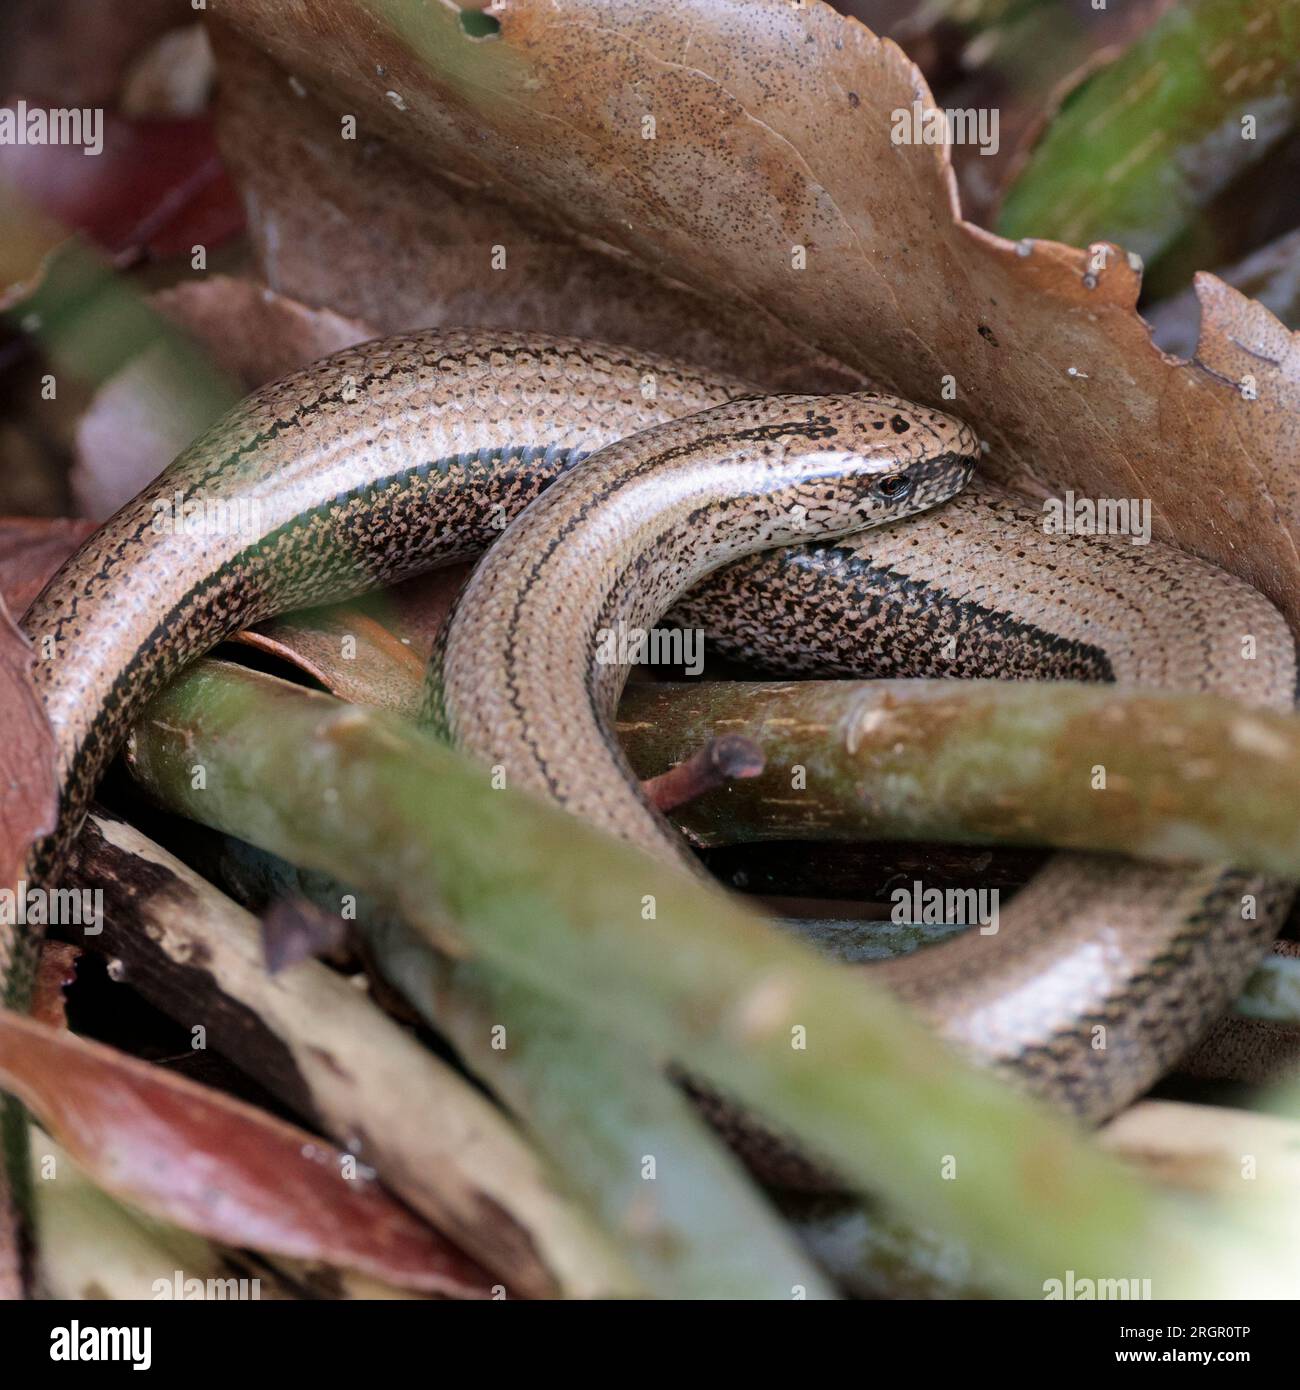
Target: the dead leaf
pixel 772 152
pixel 31 549
pixel 357 226
pixel 29 800
pixel 92 1248
pixel 253 333
pixel 372 650
pixel 199 1160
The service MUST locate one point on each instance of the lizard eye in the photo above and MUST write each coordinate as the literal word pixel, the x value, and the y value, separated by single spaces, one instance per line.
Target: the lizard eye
pixel 893 487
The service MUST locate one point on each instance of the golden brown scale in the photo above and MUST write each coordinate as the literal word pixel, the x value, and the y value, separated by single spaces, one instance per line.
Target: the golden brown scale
pixel 373 464
pixel 611 546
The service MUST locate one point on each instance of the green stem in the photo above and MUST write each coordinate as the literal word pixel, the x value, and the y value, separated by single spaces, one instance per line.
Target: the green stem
pixel 1088 767
pixel 690 1221
pixel 680 970
pixel 1146 142
pixel 672 1200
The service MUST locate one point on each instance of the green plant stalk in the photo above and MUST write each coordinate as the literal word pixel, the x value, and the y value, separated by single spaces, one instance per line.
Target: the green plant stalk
pixel 577 1104
pixel 564 1093
pixel 681 970
pixel 984 763
pixel 688 1218
pixel 1088 767
pixel 655 732
pixel 599 1120
pixel 1146 142
pixel 691 1224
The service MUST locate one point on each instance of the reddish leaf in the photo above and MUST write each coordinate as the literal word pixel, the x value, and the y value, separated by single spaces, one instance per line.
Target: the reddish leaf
pixel 157 186
pixel 215 1166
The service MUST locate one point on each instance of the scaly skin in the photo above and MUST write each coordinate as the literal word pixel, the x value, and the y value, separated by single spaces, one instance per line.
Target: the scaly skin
pixel 613 545
pixel 369 466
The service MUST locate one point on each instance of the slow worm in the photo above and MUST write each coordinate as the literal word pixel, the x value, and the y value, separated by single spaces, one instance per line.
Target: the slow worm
pixel 393 457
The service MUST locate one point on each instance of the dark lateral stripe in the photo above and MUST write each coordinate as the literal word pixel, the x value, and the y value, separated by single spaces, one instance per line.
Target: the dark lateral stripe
pixel 134 683
pixel 887 585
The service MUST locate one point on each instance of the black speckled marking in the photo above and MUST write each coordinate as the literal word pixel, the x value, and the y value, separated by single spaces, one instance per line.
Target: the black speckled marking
pixel 878 620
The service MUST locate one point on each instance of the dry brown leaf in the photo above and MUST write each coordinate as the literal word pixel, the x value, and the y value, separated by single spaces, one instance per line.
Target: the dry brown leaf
pixel 251 332
pixel 31 549
pixel 371 651
pixel 356 225
pixel 772 133
pixel 28 790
